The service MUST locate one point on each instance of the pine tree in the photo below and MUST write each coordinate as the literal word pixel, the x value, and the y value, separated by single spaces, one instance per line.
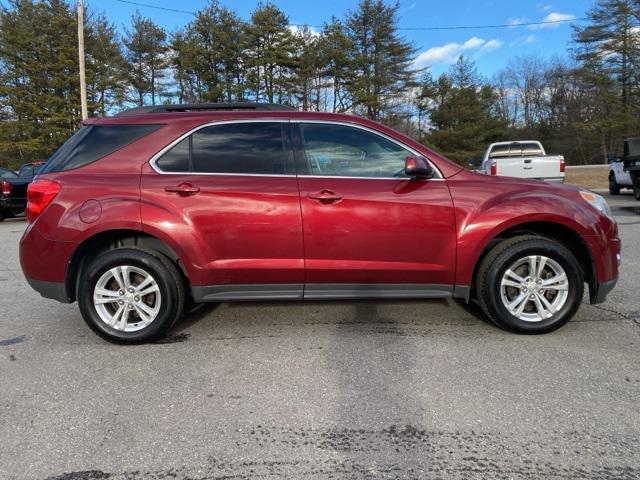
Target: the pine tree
pixel 271 54
pixel 335 47
pixel 462 113
pixel 147 58
pixel 309 69
pixel 39 85
pixel 380 59
pixel 611 43
pixel 106 68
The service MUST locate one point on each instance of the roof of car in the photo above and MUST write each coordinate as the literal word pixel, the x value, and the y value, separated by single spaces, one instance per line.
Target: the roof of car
pixel 143 115
pixel 201 107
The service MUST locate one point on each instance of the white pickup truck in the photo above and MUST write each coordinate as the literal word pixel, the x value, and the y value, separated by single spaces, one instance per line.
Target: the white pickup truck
pixel 619 178
pixel 525 159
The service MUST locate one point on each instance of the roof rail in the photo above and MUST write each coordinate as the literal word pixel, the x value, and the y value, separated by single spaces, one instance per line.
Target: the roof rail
pixel 194 107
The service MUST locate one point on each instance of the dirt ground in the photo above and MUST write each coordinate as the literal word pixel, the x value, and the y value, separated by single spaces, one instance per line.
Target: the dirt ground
pixel 590 177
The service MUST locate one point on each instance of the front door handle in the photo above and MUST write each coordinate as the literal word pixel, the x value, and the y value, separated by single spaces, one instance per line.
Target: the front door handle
pixel 325 196
pixel 183 189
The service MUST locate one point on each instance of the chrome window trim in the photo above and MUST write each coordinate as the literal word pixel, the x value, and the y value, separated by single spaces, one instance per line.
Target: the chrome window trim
pixel 164 150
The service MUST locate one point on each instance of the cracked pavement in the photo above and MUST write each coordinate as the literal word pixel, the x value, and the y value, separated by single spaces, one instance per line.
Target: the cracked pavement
pixel 349 390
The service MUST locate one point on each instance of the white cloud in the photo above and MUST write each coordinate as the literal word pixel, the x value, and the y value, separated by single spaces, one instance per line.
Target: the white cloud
pixel 553 17
pixel 514 22
pixel 295 29
pixel 524 40
pixel 449 53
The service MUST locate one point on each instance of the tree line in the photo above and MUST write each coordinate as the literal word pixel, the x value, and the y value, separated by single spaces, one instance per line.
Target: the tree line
pixel 581 106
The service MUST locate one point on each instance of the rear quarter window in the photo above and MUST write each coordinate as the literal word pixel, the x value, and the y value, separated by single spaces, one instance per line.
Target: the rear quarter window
pixel 92 143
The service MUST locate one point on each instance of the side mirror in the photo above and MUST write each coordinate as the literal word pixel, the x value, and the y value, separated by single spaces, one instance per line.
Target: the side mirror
pixel 474 162
pixel 418 167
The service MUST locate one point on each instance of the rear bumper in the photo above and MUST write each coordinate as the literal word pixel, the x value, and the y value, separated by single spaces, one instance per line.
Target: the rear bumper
pixel 44 263
pixel 54 290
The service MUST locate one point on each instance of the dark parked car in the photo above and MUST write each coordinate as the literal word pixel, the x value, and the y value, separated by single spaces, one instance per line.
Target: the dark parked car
pixel 6 173
pixel 13 189
pixel 138 212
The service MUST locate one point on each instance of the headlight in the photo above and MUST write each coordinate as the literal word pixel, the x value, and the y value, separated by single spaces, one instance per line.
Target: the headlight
pixel 598 202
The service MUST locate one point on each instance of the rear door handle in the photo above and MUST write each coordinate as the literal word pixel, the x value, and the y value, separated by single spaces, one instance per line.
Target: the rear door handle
pixel 528 160
pixel 325 196
pixel 183 189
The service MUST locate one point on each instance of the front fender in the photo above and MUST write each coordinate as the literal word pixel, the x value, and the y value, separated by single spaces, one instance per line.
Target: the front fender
pixel 482 215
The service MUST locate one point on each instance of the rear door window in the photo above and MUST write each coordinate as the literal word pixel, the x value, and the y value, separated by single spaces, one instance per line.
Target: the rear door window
pixel 256 148
pixel 93 142
pixel 234 148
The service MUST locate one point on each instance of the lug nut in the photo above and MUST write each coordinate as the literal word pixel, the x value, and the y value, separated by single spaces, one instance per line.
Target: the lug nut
pixel 121 302
pixel 130 290
pixel 120 292
pixel 136 298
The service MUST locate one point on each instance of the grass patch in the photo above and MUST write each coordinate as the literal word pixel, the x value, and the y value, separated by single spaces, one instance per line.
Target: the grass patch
pixel 590 177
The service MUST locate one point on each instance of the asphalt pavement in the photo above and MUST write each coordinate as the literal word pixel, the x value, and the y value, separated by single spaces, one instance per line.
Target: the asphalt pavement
pixel 315 391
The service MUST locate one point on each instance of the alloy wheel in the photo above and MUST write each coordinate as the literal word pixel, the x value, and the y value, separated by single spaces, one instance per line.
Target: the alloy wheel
pixel 534 288
pixel 127 298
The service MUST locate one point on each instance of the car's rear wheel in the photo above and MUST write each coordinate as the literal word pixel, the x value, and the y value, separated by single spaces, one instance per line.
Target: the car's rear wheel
pixel 614 188
pixel 129 295
pixel 530 284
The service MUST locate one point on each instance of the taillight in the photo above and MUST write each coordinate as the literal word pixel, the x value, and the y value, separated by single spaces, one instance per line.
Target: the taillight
pixel 562 165
pixel 494 168
pixel 5 187
pixel 40 193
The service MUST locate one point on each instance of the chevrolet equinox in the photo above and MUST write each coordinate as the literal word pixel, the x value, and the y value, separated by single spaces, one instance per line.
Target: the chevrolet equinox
pixel 137 213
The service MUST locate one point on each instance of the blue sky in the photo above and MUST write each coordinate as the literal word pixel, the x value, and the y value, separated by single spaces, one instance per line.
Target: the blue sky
pixel 490 48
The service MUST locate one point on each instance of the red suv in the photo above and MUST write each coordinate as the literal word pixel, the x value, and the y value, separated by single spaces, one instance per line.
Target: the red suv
pixel 224 202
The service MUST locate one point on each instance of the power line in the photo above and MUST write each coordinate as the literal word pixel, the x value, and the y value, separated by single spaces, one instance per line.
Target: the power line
pixel 457 27
pixel 157 7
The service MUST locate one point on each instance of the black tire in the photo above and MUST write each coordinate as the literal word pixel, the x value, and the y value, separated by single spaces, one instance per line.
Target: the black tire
pixel 162 270
pixel 636 187
pixel 614 188
pixel 504 255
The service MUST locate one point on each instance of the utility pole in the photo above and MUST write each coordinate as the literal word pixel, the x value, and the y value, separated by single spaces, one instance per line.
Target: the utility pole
pixel 83 83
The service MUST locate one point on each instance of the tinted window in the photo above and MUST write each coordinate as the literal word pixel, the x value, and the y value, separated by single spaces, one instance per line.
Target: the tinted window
pixel 7 174
pixel 351 152
pixel 634 147
pixel 516 150
pixel 239 148
pixel 26 171
pixel 92 143
pixel 176 159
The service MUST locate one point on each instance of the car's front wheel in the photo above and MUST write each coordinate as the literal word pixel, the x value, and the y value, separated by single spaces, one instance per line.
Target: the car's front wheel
pixel 130 295
pixel 530 284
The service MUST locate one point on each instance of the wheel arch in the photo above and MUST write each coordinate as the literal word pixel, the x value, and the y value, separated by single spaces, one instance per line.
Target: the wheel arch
pixel 545 229
pixel 111 239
